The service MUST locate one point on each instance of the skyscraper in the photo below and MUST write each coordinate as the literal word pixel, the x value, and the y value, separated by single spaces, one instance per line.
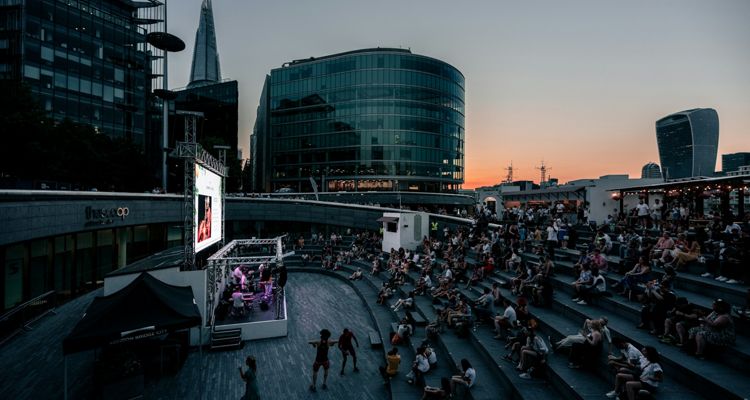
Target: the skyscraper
pixel 688 143
pixel 85 61
pixel 205 67
pixel 733 162
pixel 651 171
pixel 217 99
pixel 370 119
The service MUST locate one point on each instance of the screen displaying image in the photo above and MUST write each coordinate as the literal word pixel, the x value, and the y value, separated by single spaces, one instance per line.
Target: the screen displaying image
pixel 208 212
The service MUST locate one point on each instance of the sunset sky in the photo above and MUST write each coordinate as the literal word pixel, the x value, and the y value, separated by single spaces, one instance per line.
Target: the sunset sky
pixel 576 83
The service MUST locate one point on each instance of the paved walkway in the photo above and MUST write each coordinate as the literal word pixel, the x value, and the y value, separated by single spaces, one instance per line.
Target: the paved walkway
pixel 32 363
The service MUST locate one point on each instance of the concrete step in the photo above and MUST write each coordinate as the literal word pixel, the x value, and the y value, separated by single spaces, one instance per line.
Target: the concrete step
pixel 702 376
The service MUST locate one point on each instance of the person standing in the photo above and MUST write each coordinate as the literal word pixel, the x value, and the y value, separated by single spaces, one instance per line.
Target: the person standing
pixel 643 213
pixel 656 212
pixel 552 239
pixel 346 347
pixel 321 357
pixel 251 382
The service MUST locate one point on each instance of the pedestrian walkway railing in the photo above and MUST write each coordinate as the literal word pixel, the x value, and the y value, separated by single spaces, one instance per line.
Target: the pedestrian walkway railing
pixel 20 318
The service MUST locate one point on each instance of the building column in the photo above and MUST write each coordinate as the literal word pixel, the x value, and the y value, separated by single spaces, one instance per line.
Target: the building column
pixel 699 204
pixel 740 203
pixel 121 239
pixel 724 206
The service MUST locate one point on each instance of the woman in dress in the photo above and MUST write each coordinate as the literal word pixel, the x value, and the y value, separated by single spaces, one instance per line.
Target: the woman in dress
pixel 717 329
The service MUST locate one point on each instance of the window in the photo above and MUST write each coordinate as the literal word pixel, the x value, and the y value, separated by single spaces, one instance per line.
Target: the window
pixel 119 75
pixel 61 80
pixel 48 54
pixel 108 93
pixel 392 226
pixel 31 72
pixel 85 86
pixel 72 83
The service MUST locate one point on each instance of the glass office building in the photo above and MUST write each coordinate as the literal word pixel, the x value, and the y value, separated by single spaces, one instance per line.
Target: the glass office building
pixel 688 143
pixel 651 171
pixel 732 162
pixel 84 60
pixel 364 120
pixel 219 103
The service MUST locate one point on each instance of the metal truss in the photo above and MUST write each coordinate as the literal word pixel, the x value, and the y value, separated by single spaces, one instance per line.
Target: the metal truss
pixel 193 153
pixel 188 204
pixel 201 156
pixel 220 265
pixel 231 246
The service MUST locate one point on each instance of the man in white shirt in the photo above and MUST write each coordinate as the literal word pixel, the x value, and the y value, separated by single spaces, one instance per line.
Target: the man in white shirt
pixel 551 239
pixel 656 213
pixel 732 226
pixel 505 321
pixel 643 212
pixel 631 360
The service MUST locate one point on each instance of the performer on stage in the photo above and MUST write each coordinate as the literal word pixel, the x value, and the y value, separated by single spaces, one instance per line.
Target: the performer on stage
pixel 346 347
pixel 321 357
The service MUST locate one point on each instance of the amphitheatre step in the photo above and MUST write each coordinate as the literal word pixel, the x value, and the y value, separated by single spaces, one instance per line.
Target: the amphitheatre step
pixel 704 376
pixel 382 317
pixel 698 290
pixel 492 351
pixel 488 385
pixel 558 325
pixel 417 338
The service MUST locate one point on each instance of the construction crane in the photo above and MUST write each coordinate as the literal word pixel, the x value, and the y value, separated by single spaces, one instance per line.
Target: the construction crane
pixel 509 175
pixel 543 169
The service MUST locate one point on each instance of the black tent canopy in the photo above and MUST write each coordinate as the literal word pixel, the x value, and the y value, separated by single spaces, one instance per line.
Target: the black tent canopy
pixel 146 307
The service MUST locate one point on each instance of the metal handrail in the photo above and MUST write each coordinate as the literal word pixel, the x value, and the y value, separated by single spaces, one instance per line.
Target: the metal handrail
pixel 22 316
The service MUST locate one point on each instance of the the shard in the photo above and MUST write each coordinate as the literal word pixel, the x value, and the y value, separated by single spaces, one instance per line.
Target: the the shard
pixel 205 68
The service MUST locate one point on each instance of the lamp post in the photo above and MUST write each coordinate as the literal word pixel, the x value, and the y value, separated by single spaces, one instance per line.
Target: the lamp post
pixel 167 43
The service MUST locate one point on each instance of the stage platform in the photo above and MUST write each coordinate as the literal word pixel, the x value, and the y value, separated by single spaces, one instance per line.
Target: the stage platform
pixel 257 323
pixel 256 315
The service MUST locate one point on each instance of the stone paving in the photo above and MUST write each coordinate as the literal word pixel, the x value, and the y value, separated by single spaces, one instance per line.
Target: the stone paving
pixel 314 302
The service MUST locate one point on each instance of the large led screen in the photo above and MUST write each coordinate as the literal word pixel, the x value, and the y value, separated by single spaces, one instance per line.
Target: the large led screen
pixel 208 212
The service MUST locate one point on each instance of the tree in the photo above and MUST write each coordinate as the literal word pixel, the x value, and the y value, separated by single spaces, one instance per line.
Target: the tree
pixel 35 148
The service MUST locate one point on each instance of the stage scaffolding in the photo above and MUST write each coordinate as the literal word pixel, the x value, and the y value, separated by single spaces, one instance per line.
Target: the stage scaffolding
pixel 220 265
pixel 193 153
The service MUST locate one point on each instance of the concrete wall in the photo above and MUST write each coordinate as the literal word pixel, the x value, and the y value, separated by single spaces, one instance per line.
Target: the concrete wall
pixel 28 215
pixel 600 198
pixel 36 214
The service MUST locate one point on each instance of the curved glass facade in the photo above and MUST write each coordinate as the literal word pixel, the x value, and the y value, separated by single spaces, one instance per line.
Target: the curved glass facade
pixel 377 119
pixel 688 143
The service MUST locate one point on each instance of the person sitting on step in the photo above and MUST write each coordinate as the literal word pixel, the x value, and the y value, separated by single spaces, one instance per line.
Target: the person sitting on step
pixel 716 329
pixel 650 377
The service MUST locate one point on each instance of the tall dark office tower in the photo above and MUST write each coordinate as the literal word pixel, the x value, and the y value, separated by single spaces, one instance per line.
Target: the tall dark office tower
pixel 651 171
pixel 733 162
pixel 372 119
pixel 205 67
pixel 688 143
pixel 87 61
pixel 218 101
pixel 260 175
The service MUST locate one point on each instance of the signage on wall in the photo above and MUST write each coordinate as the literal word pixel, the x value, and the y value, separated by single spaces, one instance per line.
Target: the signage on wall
pixel 105 216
